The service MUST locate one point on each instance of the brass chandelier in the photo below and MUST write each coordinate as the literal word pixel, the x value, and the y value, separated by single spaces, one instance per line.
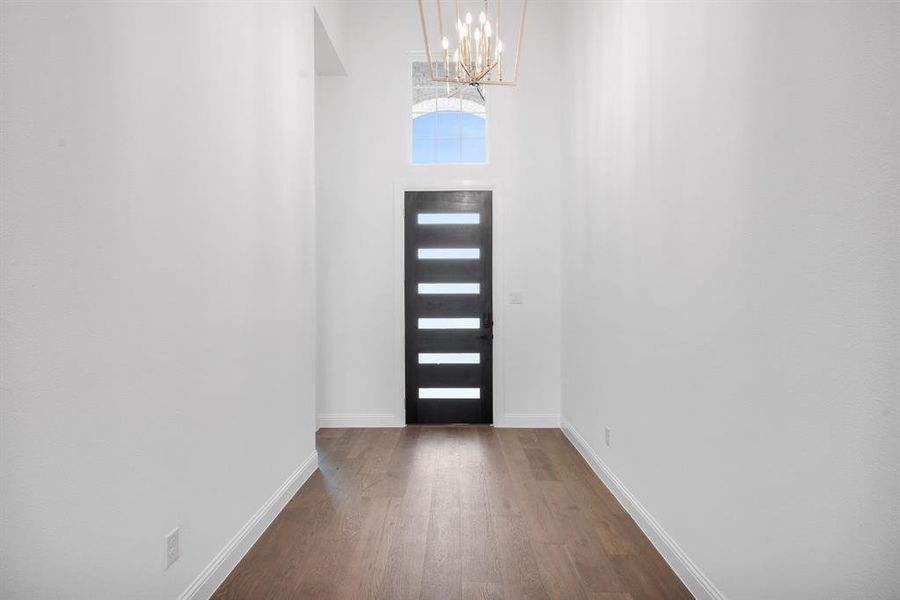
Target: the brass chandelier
pixel 477 58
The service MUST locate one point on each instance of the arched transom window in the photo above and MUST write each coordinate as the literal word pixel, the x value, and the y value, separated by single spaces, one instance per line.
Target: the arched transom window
pixel 447 122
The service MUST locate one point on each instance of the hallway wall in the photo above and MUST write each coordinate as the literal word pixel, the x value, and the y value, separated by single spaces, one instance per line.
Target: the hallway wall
pixel 157 256
pixel 730 281
pixel 363 131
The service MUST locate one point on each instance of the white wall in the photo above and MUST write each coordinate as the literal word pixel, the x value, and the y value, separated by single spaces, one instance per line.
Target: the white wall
pixel 157 286
pixel 730 281
pixel 363 155
pixel 331 16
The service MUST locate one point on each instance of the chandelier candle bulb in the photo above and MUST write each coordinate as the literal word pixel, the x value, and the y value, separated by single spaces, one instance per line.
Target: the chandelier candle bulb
pixel 482 18
pixel 462 42
pixel 468 62
pixel 470 49
pixel 499 45
pixel 478 48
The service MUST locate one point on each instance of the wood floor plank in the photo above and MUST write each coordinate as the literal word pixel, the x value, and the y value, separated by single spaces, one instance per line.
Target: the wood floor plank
pixel 472 492
pixel 583 545
pixel 482 591
pixel 402 577
pixel 647 580
pixel 541 465
pixel 501 498
pixel 326 562
pixel 558 574
pixel 393 480
pixel 381 558
pixel 442 567
pixel 451 512
pixel 521 578
pixel 421 476
pixel 365 443
pixel 361 575
pixel 532 506
pixel 480 549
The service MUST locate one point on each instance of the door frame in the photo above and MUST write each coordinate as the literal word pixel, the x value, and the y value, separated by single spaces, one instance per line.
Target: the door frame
pixel 498 287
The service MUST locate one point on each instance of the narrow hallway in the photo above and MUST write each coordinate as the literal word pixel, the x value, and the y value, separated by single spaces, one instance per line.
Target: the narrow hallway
pixel 314 299
pixel 452 512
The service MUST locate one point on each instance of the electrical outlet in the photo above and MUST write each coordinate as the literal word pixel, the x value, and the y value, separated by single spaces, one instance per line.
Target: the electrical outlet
pixel 173 549
pixel 608 436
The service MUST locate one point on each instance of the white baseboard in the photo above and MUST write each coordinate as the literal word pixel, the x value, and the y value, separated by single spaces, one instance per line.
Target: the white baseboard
pixel 689 573
pixel 360 420
pixel 227 559
pixel 539 420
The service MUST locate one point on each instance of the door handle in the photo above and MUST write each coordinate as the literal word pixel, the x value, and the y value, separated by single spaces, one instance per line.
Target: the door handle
pixel 487 327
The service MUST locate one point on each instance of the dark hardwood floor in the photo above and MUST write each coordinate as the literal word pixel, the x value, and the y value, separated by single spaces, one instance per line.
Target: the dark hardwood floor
pixel 452 512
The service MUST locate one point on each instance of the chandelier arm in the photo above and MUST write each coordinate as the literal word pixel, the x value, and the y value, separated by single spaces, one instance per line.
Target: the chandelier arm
pixel 519 41
pixel 466 70
pixel 485 74
pixel 505 83
pixel 440 21
pixel 425 35
pixel 456 91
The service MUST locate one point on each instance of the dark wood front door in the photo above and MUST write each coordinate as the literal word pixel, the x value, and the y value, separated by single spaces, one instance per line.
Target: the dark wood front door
pixel 449 322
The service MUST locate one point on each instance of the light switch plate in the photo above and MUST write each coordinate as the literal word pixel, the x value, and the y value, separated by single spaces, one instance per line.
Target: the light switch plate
pixel 516 298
